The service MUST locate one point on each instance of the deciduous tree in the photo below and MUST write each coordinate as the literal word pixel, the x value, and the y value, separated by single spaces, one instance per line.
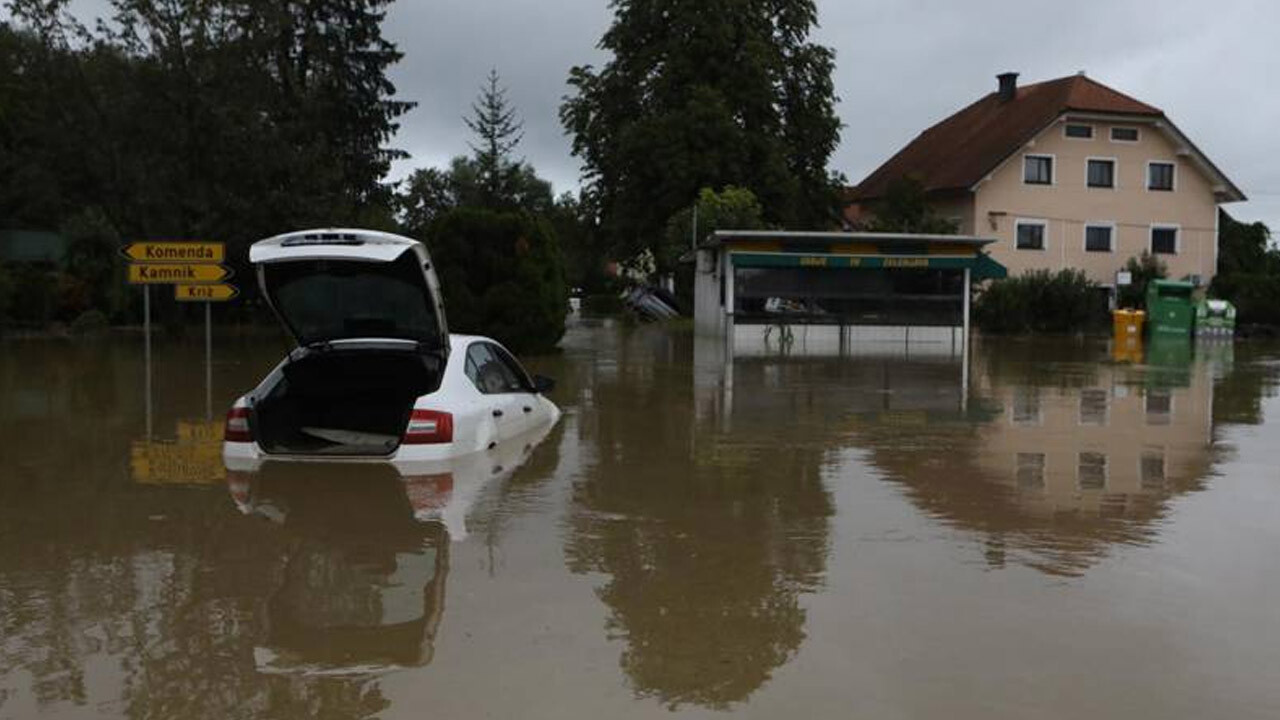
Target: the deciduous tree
pixel 705 93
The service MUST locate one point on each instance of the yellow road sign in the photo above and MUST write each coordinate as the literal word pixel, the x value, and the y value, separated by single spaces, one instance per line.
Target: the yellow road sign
pixel 204 293
pixel 171 273
pixel 176 252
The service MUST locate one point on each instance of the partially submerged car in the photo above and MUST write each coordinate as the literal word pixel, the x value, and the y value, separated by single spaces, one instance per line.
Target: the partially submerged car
pixel 376 374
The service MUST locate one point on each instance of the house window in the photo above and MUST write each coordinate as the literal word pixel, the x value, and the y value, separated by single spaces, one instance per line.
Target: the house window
pixel 1083 132
pixel 1091 472
pixel 1159 406
pixel 1037 169
pixel 1030 234
pixel 1101 173
pixel 1029 471
pixel 1093 407
pixel 1160 176
pixel 1124 134
pixel 1164 241
pixel 1097 238
pixel 1026 405
pixel 1151 469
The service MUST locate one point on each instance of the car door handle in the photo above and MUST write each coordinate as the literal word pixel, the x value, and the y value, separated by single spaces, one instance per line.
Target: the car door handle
pixel 497 413
pixel 528 409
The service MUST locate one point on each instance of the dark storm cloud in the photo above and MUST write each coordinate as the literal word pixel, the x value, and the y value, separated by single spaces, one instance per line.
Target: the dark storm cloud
pixel 901 65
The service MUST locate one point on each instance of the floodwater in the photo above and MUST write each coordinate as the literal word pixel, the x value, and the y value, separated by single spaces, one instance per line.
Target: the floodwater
pixel 1058 530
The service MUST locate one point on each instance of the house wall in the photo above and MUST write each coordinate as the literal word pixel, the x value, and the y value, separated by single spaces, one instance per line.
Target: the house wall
pixel 1068 204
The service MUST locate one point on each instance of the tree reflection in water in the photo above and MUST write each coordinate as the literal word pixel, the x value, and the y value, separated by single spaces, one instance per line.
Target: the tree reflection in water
pixel 707 544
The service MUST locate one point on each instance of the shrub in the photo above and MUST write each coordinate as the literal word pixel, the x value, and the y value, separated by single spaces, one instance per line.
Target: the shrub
pixel 501 275
pixel 1041 301
pixel 92 262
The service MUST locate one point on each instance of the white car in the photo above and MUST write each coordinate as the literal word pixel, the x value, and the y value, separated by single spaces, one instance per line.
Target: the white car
pixel 376 375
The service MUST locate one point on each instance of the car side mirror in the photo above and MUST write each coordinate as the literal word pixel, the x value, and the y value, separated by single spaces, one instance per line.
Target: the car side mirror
pixel 543 384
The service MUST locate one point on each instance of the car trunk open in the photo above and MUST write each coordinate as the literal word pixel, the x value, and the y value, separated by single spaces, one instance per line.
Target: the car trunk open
pixel 344 402
pixel 365 310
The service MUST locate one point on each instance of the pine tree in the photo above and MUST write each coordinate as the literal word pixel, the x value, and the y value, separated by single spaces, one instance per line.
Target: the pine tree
pixel 494 121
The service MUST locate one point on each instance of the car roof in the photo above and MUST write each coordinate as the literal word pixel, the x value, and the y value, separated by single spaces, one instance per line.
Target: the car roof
pixel 459 341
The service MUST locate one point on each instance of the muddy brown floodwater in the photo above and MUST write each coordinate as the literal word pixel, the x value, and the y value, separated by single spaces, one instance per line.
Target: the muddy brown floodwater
pixel 1053 532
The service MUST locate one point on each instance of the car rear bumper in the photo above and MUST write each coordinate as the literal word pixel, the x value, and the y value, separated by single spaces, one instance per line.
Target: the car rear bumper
pixel 248 455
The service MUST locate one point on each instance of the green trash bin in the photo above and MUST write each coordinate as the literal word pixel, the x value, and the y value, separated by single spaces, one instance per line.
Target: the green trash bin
pixel 1170 308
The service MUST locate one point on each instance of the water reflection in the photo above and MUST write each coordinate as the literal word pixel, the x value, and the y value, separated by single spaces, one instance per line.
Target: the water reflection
pixel 1055 456
pixel 722 523
pixel 1050 456
pixel 708 544
pixel 362 586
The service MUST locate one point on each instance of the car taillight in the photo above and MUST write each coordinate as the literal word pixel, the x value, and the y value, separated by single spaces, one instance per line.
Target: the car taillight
pixel 237 427
pixel 428 427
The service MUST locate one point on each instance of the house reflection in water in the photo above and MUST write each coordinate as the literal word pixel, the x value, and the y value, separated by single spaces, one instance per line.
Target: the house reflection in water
pixel 1106 445
pixel 1052 454
pixel 1057 460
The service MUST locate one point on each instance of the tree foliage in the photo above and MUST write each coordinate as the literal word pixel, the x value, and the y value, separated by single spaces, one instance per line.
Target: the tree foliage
pixel 705 94
pixel 205 119
pixel 1142 270
pixel 489 178
pixel 905 208
pixel 1248 271
pixel 734 208
pixel 502 276
pixel 495 123
pixel 576 223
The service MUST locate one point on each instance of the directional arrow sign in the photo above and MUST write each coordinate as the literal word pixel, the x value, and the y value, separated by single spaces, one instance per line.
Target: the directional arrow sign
pixel 204 293
pixel 170 274
pixel 176 252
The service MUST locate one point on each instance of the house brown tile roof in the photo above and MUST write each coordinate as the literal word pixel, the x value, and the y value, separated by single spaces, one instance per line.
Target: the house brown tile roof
pixel 959 151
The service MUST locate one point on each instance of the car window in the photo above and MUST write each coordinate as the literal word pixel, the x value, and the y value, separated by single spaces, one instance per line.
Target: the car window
pixel 513 366
pixel 489 373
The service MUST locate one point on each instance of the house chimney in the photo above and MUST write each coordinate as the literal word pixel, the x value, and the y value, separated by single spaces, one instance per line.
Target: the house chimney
pixel 1008 85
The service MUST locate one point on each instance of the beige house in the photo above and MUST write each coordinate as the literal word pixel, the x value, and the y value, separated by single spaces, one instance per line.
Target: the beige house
pixel 1066 173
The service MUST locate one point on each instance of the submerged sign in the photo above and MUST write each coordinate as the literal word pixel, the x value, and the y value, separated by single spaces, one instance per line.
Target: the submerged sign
pixel 166 274
pixel 195 459
pixel 176 252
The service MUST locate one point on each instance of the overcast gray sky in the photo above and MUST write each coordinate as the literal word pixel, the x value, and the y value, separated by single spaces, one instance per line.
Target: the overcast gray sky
pixel 901 65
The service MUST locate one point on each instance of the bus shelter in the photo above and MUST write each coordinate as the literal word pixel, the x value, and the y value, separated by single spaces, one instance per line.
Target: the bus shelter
pixel 838 290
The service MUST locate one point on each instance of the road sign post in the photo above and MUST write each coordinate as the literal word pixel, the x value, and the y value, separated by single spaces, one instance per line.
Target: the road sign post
pixel 196 272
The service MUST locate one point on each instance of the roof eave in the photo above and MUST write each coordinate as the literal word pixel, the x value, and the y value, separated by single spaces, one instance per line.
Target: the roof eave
pixel 718 237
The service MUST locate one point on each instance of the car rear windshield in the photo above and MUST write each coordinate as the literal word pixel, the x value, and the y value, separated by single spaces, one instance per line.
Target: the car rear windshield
pixel 334 299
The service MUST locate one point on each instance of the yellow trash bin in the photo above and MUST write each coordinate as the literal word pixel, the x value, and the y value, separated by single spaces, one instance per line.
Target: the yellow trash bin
pixel 1128 323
